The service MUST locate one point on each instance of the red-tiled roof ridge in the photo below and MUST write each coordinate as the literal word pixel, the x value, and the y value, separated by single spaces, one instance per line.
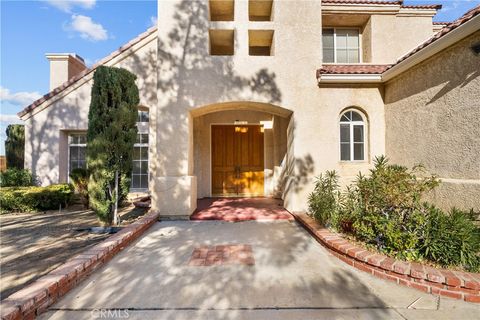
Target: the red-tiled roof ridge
pixel 379 2
pixel 82 74
pixel 440 23
pixel 445 30
pixel 352 69
pixel 423 6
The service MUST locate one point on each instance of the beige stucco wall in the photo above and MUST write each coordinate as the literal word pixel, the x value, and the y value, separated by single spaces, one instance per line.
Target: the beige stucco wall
pixel 190 79
pixel 432 114
pixel 393 36
pixel 46 130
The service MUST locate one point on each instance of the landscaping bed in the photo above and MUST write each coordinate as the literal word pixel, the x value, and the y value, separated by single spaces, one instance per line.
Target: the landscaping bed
pixel 387 222
pixel 448 283
pixel 33 244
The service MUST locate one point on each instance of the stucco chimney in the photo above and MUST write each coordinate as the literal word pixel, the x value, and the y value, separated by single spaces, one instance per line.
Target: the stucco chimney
pixel 63 67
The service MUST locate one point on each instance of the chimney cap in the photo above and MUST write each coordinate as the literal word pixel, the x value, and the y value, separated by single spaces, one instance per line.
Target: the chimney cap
pixel 53 56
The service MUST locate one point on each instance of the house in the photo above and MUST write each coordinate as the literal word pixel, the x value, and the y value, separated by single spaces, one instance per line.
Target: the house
pixel 257 97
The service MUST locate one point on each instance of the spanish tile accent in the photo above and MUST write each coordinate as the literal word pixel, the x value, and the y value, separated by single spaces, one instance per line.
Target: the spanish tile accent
pixel 205 256
pixel 31 301
pixel 447 29
pixel 352 69
pixel 378 2
pixel 452 284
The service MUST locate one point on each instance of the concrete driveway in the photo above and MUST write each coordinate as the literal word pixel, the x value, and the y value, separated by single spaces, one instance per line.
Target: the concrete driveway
pixel 288 276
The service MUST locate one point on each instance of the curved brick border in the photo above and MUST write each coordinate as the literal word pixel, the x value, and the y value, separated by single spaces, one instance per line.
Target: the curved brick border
pixel 453 284
pixel 34 299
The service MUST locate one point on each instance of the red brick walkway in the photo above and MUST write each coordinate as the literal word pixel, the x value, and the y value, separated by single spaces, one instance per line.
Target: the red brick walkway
pixel 240 209
pixel 222 255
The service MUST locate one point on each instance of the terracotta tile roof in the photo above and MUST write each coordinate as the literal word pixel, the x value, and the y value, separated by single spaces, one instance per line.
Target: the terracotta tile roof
pixel 352 69
pixel 82 74
pixel 427 6
pixel 381 2
pixel 439 23
pixel 378 69
pixel 384 2
pixel 447 29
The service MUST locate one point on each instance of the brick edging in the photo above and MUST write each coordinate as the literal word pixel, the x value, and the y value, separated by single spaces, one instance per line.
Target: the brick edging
pixel 29 302
pixel 453 284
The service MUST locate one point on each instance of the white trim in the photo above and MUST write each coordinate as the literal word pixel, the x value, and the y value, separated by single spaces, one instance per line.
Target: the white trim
pixel 350 78
pixel 360 47
pixel 444 42
pixel 351 143
pixel 142 145
pixel 74 145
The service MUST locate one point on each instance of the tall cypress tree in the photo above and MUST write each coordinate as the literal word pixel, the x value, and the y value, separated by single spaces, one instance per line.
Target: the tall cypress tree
pixel 111 135
pixel 15 146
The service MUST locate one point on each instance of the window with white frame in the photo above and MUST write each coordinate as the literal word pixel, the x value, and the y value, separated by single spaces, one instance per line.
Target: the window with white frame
pixel 77 145
pixel 143 116
pixel 352 136
pixel 341 45
pixel 140 162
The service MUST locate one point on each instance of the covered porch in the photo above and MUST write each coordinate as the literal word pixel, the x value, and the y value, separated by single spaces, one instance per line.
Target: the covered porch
pixel 240 209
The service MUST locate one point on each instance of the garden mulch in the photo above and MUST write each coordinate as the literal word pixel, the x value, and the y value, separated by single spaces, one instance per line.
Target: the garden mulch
pixel 33 244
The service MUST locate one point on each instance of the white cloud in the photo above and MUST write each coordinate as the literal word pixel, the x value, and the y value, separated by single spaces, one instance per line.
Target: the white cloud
pixel 153 21
pixel 68 5
pixel 10 119
pixel 87 28
pixel 21 98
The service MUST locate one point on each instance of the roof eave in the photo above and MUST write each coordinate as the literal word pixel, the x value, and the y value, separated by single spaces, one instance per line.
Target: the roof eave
pixel 349 78
pixel 435 47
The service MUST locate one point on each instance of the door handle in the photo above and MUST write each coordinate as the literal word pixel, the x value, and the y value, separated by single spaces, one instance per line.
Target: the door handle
pixel 237 172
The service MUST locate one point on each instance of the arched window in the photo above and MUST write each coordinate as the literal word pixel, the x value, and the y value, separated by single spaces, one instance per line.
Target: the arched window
pixel 352 136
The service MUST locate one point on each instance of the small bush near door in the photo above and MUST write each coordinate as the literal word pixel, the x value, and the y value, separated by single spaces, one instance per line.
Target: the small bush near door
pixel 79 180
pixel 385 210
pixel 29 199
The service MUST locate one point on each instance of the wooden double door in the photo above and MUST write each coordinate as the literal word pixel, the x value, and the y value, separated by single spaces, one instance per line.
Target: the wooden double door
pixel 237 160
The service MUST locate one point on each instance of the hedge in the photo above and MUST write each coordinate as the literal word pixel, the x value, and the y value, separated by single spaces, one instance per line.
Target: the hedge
pixel 29 199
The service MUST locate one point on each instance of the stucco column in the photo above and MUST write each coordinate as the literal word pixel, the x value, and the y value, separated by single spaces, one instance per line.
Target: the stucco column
pixel 173 187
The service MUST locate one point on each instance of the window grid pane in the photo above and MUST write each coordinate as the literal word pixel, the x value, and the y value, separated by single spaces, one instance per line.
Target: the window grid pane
pixel 352 137
pixel 347 42
pixel 76 152
pixel 140 163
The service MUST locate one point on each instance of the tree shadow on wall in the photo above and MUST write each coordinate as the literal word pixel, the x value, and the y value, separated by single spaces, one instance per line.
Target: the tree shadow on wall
pixel 189 77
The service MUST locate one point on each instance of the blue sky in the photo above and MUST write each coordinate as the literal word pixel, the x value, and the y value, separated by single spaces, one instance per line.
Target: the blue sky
pixel 90 28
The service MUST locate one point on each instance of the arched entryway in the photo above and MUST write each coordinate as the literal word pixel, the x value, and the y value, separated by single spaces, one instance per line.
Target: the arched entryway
pixel 240 149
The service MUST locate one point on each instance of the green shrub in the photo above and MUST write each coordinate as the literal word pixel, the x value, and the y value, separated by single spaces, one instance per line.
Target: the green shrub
pixel 79 180
pixel 14 177
pixel 15 146
pixel 28 199
pixel 323 201
pixel 385 209
pixel 111 135
pixel 452 239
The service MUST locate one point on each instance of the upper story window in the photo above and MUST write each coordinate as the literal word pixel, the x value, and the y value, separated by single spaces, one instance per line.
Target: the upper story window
pixel 352 136
pixel 341 45
pixel 77 145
